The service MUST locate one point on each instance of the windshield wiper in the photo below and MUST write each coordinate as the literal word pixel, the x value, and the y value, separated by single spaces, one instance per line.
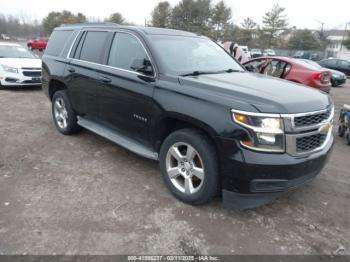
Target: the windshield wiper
pixel 197 73
pixel 230 70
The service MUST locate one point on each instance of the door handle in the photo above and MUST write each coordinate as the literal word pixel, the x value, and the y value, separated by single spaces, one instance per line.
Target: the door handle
pixel 105 79
pixel 71 69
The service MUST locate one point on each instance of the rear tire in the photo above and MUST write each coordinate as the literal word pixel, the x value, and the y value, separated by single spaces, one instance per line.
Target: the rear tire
pixel 189 166
pixel 348 138
pixel 63 114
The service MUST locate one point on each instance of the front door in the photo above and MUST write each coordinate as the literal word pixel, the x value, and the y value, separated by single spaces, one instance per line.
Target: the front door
pixel 125 93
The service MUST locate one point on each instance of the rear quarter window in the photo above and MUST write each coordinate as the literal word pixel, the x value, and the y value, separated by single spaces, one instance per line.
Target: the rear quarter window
pixel 57 42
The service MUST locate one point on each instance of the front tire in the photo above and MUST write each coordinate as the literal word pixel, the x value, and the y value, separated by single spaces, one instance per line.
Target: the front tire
pixel 348 138
pixel 189 166
pixel 63 114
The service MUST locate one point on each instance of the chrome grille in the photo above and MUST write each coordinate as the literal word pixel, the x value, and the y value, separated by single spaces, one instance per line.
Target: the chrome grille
pixel 307 132
pixel 32 73
pixel 309 120
pixel 309 143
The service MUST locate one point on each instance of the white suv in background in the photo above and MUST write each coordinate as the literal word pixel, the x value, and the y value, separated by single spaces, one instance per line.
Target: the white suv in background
pixel 18 66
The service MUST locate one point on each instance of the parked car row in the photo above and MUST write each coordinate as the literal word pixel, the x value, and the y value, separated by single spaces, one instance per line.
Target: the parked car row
pixel 256 52
pixel 293 70
pixel 300 69
pixel 337 64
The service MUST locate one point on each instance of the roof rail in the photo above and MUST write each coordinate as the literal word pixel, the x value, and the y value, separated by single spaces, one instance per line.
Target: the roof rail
pixel 91 24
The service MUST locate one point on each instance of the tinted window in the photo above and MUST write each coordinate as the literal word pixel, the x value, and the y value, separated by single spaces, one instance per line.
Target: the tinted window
pixel 93 46
pixel 343 63
pixel 125 49
pixel 57 42
pixel 330 62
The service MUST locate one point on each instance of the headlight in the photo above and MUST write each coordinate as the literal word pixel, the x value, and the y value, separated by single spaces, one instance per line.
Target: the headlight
pixel 9 69
pixel 265 131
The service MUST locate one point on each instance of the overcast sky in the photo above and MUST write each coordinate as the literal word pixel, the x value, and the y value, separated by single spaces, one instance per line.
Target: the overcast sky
pixel 303 14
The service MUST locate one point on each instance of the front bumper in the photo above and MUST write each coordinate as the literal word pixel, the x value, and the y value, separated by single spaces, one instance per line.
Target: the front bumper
pixel 251 179
pixel 12 79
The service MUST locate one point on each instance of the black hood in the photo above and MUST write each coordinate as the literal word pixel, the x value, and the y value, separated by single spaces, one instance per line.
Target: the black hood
pixel 266 94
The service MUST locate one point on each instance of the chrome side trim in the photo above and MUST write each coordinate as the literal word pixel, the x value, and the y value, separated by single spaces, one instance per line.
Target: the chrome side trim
pixel 113 67
pixel 305 114
pixel 255 113
pixel 71 47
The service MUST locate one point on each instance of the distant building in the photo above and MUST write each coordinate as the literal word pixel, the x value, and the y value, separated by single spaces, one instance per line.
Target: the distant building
pixel 334 48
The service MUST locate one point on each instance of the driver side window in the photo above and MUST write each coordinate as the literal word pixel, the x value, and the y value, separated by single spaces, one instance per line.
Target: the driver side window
pixel 126 49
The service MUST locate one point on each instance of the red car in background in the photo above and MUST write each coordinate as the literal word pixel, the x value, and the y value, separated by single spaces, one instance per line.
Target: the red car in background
pixel 293 70
pixel 39 44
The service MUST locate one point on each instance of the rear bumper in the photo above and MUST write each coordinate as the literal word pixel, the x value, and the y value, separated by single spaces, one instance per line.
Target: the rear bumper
pixel 251 179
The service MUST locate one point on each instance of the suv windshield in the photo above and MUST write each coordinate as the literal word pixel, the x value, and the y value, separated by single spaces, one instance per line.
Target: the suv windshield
pixel 184 55
pixel 8 51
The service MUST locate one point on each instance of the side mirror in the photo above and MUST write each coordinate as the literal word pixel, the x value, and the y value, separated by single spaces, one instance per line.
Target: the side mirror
pixel 250 68
pixel 143 66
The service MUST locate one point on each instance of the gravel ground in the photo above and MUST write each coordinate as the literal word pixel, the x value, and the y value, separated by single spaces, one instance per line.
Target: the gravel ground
pixel 85 195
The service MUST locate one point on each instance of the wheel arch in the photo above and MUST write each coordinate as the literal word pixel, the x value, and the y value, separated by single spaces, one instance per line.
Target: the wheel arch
pixel 172 121
pixel 54 86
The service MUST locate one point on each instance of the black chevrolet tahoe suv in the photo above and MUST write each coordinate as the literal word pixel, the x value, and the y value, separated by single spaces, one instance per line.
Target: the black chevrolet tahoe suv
pixel 181 99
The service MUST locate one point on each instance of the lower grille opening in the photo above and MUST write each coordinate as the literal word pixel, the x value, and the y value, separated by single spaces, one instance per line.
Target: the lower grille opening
pixel 309 143
pixel 11 80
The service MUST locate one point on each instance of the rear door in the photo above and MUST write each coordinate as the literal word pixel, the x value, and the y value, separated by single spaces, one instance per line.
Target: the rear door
pixel 82 71
pixel 125 94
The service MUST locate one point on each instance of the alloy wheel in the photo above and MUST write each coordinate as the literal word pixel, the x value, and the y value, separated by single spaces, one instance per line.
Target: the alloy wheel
pixel 61 114
pixel 185 168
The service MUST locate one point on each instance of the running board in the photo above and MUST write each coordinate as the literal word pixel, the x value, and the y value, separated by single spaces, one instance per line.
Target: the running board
pixel 117 138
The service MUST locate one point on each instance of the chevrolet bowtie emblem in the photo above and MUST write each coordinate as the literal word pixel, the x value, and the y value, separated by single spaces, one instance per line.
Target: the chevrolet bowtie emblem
pixel 324 129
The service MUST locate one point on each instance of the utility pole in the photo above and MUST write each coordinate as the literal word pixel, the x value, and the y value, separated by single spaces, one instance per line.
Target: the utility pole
pixel 343 38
